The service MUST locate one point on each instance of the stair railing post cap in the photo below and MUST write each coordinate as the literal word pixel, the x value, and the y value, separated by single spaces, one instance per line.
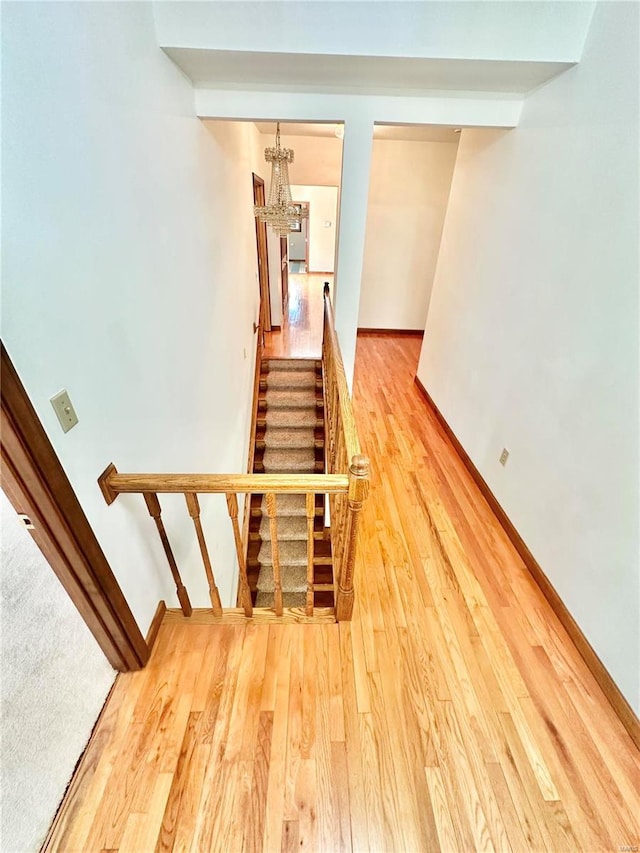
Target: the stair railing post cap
pixel 360 465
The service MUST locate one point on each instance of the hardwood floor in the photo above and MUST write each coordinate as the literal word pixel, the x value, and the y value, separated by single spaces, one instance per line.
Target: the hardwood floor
pixel 453 713
pixel 301 333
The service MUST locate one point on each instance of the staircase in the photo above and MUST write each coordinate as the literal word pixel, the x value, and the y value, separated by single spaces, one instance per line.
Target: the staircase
pixel 294 478
pixel 289 440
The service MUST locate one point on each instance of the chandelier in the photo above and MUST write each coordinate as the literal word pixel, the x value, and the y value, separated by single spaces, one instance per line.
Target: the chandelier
pixel 280 212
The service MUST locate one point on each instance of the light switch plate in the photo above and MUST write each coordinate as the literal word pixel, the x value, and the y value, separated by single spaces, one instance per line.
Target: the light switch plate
pixel 63 408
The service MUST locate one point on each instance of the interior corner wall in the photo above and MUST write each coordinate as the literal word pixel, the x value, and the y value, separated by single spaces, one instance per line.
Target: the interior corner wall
pixel 323 211
pixel 408 195
pixel 55 679
pixel 532 337
pixel 128 276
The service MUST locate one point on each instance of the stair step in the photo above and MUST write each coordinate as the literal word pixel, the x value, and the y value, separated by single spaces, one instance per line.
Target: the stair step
pixel 290 528
pixel 291 379
pixel 273 364
pixel 289 599
pixel 304 419
pixel 292 578
pixel 286 437
pixel 294 399
pixel 289 461
pixel 290 553
pixel 288 505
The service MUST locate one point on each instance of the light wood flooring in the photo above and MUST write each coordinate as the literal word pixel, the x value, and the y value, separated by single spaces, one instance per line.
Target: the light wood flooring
pixel 301 332
pixel 453 713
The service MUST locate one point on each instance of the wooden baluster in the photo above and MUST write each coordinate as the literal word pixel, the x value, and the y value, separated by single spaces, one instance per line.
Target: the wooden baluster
pixel 193 505
pixel 245 592
pixel 153 505
pixel 358 490
pixel 311 514
pixel 275 552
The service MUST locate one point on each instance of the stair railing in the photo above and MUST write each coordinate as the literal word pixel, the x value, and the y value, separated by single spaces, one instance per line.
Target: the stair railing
pixel 346 484
pixel 343 457
pixel 150 486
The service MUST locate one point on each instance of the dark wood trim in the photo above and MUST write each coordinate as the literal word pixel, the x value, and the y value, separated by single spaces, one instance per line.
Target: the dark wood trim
pixel 36 484
pixel 156 622
pixel 284 272
pixel 262 248
pixel 412 333
pixel 275 328
pixel 608 686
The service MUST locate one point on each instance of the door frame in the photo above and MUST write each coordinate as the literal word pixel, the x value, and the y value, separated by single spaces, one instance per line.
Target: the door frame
pixel 284 272
pixel 36 485
pixel 263 256
pixel 306 205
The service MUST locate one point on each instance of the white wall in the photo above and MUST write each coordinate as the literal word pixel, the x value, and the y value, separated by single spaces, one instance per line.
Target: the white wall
pixel 55 679
pixel 481 30
pixel 323 208
pixel 532 337
pixel 128 274
pixel 408 196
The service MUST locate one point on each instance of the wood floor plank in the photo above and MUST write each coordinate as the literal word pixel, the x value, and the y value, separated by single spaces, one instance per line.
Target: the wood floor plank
pixel 452 713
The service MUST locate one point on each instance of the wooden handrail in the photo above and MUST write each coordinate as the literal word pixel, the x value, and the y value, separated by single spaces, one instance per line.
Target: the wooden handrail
pixel 343 457
pixel 113 484
pixel 330 339
pixel 190 485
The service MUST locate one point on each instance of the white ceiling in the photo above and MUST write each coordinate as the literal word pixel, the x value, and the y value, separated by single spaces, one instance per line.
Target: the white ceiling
pixel 391 75
pixel 406 132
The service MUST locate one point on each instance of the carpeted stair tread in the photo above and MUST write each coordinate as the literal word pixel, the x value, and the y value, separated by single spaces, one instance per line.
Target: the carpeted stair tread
pixel 292 554
pixel 286 399
pixel 288 437
pixel 291 379
pixel 293 461
pixel 287 505
pixel 289 599
pixel 290 528
pixel 293 580
pixel 300 419
pixel 274 364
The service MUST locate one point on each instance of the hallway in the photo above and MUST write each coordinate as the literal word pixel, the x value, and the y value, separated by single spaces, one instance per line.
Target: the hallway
pixel 301 333
pixel 452 713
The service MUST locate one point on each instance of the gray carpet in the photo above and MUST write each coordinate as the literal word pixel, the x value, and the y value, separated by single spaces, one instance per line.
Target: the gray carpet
pixel 289 448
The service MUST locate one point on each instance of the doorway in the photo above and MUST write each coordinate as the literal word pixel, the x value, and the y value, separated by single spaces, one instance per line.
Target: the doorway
pixel 38 488
pixel 263 257
pixel 299 241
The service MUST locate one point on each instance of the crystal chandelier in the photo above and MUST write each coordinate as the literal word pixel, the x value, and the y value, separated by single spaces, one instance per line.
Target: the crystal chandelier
pixel 280 212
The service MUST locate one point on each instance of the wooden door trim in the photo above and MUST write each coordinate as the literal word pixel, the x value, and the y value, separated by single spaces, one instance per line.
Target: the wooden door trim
pixel 284 273
pixel 263 269
pixel 36 484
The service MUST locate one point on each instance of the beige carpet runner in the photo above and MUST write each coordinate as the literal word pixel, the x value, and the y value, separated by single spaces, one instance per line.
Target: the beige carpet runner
pixel 289 448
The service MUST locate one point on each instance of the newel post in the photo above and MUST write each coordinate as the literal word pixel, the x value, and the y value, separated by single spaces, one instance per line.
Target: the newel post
pixel 358 491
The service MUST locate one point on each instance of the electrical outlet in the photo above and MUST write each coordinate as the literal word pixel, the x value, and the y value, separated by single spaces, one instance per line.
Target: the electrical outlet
pixel 63 408
pixel 504 456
